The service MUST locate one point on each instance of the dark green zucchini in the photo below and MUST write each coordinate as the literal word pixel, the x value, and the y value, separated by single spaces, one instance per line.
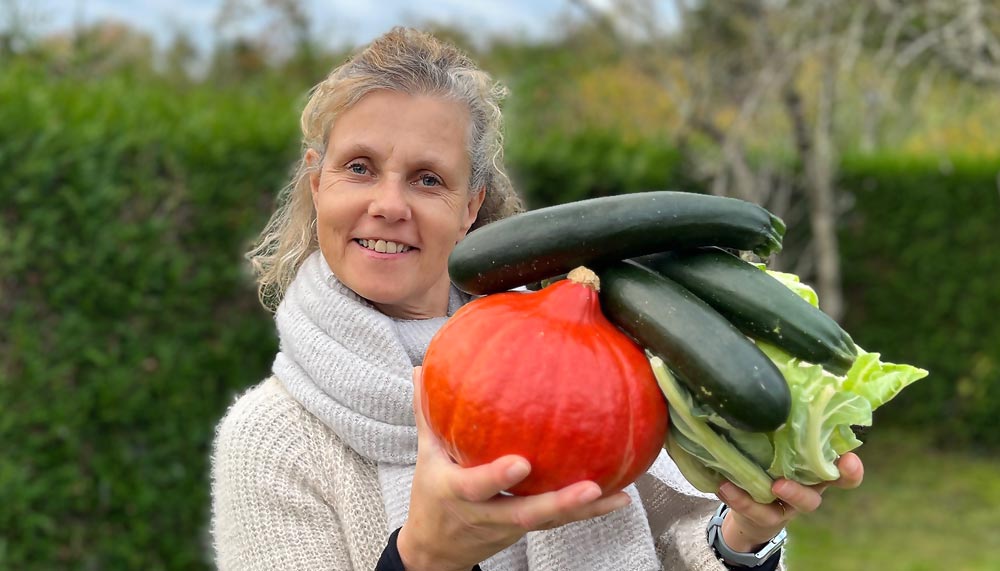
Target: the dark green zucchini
pixel 719 365
pixel 543 243
pixel 758 305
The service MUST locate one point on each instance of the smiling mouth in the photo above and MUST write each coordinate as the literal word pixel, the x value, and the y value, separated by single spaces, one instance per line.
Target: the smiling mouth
pixel 384 246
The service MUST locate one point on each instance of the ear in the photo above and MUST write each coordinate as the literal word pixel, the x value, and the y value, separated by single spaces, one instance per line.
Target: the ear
pixel 312 161
pixel 472 210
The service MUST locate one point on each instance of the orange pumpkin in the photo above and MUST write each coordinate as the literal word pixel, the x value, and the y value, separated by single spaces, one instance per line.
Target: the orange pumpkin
pixel 545 375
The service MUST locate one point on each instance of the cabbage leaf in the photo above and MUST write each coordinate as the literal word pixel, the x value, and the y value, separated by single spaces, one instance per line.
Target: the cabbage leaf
pixel 805 448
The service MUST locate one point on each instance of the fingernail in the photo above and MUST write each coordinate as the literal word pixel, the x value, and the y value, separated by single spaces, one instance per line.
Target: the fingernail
pixel 851 463
pixel 622 501
pixel 518 470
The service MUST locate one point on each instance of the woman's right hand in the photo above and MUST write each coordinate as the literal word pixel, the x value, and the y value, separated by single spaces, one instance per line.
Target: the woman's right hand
pixel 457 516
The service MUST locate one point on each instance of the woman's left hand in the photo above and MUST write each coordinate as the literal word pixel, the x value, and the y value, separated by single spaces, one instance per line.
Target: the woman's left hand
pixel 750 524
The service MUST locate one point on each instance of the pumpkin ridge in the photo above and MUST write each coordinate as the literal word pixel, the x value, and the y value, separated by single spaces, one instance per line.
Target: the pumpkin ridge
pixel 596 388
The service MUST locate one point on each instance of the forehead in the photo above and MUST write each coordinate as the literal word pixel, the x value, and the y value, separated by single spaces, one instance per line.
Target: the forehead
pixel 390 121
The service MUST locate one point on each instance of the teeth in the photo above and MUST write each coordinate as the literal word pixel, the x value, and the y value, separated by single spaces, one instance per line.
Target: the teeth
pixel 384 246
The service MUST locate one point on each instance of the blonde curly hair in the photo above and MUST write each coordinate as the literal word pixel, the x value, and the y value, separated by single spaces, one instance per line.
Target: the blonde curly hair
pixel 403 60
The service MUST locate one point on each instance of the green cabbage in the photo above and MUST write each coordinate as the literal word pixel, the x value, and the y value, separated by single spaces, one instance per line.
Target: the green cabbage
pixel 825 406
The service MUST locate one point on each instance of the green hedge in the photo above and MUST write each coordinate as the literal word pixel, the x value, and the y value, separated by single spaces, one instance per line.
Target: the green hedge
pixel 922 276
pixel 555 168
pixel 129 321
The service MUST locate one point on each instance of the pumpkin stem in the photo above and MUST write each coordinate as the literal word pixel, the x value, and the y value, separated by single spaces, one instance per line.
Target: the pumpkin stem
pixel 585 277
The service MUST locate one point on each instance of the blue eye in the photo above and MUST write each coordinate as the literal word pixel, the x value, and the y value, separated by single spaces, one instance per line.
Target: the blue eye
pixel 430 180
pixel 358 168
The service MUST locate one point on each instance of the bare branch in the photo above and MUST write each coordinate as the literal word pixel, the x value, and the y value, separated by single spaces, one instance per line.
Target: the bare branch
pixel 916 48
pixel 890 40
pixel 853 39
pixel 961 34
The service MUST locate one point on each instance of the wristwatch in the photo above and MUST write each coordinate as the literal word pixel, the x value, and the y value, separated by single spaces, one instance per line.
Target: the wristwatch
pixel 736 558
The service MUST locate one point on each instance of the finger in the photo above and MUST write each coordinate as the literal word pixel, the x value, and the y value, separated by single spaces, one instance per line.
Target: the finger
pixel 483 482
pixel 852 471
pixel 772 515
pixel 573 503
pixel 803 499
pixel 599 507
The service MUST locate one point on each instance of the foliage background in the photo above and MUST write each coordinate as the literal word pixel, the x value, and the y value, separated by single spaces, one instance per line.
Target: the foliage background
pixel 128 195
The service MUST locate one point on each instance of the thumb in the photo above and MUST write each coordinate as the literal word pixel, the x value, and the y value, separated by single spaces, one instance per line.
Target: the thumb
pixel 426 440
pixel 418 394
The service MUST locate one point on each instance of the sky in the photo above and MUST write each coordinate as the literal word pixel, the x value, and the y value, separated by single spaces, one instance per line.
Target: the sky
pixel 337 22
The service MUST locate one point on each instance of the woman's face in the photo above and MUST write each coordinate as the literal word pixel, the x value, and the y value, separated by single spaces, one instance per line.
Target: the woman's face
pixel 392 199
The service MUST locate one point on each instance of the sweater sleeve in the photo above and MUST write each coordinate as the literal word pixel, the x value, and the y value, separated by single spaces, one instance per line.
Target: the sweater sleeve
pixel 390 559
pixel 685 545
pixel 266 514
pixel 678 517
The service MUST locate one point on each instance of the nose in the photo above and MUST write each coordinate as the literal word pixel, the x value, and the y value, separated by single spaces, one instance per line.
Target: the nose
pixel 390 200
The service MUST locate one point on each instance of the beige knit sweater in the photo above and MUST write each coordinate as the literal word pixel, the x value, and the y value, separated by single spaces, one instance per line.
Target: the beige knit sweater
pixel 289 495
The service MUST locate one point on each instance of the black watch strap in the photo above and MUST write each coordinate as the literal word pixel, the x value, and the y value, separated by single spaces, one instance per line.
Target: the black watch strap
pixel 390 559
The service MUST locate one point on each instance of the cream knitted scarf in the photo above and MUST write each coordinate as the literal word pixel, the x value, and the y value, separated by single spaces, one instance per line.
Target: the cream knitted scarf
pixel 351 366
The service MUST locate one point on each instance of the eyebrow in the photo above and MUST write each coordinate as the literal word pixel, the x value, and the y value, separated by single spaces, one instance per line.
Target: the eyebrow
pixel 356 150
pixel 425 161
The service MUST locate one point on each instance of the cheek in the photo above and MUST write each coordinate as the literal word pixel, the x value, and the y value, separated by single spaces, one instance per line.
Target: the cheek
pixel 447 226
pixel 326 215
pixel 333 211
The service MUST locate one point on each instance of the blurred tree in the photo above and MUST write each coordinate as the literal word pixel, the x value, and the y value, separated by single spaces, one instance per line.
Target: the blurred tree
pixel 284 34
pixel 735 59
pixel 963 34
pixel 759 87
pixel 18 27
pixel 12 29
pixel 238 60
pixel 180 57
pixel 918 42
pixel 571 84
pixel 109 46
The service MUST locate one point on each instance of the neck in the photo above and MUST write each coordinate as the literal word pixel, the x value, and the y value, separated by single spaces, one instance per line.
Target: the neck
pixel 403 312
pixel 433 304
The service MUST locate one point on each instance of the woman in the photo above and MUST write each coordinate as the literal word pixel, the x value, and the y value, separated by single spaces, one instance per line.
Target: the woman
pixel 328 464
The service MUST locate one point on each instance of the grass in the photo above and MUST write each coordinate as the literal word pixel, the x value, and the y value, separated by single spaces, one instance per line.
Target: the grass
pixel 919 509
